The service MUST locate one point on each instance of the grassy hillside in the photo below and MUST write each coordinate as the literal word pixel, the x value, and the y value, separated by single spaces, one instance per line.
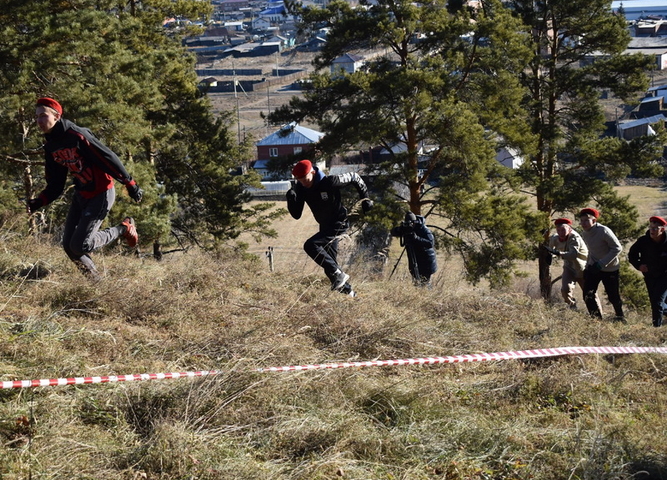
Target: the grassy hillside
pixel 573 417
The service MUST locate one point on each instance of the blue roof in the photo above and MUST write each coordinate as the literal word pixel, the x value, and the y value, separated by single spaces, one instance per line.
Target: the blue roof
pixel 291 134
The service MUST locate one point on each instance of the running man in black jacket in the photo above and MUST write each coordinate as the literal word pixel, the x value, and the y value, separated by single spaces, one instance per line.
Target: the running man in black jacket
pixel 649 255
pixel 322 194
pixel 73 149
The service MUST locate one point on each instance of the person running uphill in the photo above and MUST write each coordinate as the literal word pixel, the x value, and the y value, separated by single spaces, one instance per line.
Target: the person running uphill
pixel 649 255
pixel 603 263
pixel 568 245
pixel 70 148
pixel 322 194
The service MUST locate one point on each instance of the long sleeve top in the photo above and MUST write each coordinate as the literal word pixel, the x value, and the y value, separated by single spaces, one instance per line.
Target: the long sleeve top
pixel 323 197
pixel 652 254
pixel 74 149
pixel 603 247
pixel 573 251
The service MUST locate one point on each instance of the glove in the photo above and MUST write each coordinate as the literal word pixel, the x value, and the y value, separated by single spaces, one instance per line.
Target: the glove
pixel 135 191
pixel 35 204
pixel 291 195
pixel 366 205
pixel 597 266
pixel 554 251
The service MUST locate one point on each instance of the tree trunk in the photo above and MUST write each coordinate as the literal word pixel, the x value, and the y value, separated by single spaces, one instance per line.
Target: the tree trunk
pixel 544 265
pixel 544 259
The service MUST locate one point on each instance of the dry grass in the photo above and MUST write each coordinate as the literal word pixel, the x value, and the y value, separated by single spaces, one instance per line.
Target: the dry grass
pixel 585 417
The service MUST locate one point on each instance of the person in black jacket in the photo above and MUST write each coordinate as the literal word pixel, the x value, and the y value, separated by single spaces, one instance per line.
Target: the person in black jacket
pixel 73 149
pixel 649 255
pixel 419 244
pixel 322 194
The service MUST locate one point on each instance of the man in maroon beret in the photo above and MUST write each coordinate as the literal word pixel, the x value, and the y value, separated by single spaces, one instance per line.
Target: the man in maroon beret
pixel 603 264
pixel 649 255
pixel 94 167
pixel 322 194
pixel 568 245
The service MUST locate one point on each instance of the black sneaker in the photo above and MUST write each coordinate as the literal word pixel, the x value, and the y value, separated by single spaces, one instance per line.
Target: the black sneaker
pixel 339 280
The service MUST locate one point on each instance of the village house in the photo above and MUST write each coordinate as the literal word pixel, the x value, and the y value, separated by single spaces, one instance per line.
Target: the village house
pixel 290 140
pixel 509 157
pixel 347 63
pixel 232 5
pixel 630 129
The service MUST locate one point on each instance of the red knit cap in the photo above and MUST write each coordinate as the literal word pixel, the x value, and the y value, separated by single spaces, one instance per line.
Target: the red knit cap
pixel 658 220
pixel 562 221
pixel 589 211
pixel 302 168
pixel 51 103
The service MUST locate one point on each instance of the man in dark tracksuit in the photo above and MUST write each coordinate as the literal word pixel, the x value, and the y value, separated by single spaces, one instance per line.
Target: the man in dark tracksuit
pixel 419 243
pixel 322 194
pixel 73 149
pixel 649 255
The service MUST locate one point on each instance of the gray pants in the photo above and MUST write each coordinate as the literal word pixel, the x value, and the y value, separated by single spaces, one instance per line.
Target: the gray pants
pixel 82 228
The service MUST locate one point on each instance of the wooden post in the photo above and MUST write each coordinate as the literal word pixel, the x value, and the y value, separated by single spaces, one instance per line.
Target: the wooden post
pixel 269 253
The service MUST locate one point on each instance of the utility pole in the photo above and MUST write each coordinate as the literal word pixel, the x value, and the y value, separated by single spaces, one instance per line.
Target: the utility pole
pixel 268 105
pixel 238 108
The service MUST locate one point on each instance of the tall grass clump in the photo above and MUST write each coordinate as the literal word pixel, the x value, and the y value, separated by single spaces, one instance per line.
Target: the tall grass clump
pixel 572 417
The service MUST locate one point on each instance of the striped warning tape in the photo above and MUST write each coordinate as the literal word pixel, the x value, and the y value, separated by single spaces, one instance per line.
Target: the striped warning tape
pixel 478 357
pixel 52 382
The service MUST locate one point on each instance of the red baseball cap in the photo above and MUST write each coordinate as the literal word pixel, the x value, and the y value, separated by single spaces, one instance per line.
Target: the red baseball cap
pixel 658 220
pixel 562 221
pixel 302 168
pixel 589 211
pixel 51 103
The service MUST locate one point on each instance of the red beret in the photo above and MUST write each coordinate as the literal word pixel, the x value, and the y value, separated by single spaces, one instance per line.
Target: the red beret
pixel 302 168
pixel 51 103
pixel 658 220
pixel 562 221
pixel 589 211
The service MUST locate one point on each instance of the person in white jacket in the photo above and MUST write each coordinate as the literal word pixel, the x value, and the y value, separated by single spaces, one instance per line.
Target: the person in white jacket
pixel 603 263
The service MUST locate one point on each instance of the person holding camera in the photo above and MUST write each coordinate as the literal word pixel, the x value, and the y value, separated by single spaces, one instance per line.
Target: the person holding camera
pixel 419 244
pixel 322 194
pixel 70 148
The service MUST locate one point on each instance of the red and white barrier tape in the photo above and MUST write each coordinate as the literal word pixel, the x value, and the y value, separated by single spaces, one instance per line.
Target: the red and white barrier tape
pixel 52 382
pixel 478 357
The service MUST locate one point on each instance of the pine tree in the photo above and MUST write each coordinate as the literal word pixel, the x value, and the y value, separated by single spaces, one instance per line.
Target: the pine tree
pixel 440 90
pixel 573 164
pixel 118 71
